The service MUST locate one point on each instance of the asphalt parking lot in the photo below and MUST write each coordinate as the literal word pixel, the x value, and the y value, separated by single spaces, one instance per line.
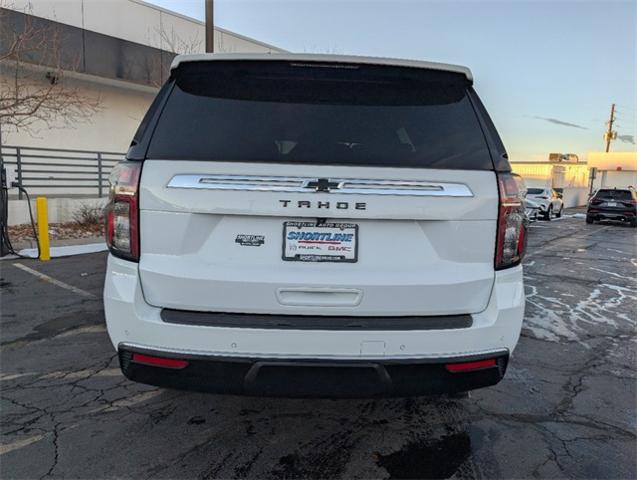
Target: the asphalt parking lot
pixel 566 407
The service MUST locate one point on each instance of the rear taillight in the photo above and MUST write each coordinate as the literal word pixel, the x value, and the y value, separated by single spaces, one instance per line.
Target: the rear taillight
pixel 122 219
pixel 595 201
pixel 511 235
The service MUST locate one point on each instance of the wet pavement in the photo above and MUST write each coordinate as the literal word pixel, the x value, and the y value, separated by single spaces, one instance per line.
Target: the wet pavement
pixel 566 407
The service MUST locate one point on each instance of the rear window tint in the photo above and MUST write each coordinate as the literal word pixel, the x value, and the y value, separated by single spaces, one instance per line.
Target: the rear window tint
pixel 149 114
pixel 320 114
pixel 614 194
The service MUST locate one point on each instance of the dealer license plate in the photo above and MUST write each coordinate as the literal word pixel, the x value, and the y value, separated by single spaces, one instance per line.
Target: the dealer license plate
pixel 327 242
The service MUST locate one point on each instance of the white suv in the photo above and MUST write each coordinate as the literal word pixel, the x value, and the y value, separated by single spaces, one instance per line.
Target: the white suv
pixel 549 201
pixel 315 225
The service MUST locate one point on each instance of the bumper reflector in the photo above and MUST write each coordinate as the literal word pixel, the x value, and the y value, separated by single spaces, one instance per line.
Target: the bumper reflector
pixel 471 366
pixel 159 361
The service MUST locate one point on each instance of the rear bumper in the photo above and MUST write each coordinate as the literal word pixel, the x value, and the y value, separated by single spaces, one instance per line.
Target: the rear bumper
pixel 313 378
pixel 133 324
pixel 542 205
pixel 611 214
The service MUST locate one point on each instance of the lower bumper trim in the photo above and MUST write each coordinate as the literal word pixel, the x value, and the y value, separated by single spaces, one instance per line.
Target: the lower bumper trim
pixel 314 378
pixel 611 214
pixel 315 322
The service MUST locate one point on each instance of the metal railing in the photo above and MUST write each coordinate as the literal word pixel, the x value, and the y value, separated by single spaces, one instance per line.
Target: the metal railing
pixel 63 171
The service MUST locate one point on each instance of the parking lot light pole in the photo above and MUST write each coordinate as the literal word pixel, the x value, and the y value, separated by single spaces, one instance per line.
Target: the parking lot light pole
pixel 210 26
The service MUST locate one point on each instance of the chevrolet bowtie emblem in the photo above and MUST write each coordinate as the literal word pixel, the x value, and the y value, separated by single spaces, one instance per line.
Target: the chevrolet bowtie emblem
pixel 322 185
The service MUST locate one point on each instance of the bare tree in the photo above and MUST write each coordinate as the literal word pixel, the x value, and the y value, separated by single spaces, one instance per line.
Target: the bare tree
pixel 171 42
pixel 164 40
pixel 167 43
pixel 35 91
pixel 221 46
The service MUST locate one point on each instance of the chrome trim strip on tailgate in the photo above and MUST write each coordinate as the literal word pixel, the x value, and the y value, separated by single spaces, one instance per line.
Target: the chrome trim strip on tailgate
pixel 301 185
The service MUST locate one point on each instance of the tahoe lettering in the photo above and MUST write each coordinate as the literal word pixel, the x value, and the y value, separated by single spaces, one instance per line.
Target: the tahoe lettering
pixel 326 205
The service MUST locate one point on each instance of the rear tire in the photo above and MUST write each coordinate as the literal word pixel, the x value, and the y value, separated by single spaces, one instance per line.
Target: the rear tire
pixel 589 219
pixel 548 214
pixel 633 222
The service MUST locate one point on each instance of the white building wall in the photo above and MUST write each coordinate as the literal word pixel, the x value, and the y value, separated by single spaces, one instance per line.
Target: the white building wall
pixel 572 178
pixel 575 196
pixel 556 175
pixel 123 106
pixel 614 169
pixel 611 179
pixel 60 210
pixel 138 22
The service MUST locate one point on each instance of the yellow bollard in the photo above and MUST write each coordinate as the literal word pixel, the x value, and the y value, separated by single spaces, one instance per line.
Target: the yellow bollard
pixel 43 228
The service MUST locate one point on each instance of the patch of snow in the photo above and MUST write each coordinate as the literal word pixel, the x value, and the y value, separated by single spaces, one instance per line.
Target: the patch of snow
pixel 624 277
pixel 571 215
pixel 551 319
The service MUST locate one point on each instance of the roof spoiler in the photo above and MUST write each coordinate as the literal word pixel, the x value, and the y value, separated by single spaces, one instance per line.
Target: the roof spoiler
pixel 304 57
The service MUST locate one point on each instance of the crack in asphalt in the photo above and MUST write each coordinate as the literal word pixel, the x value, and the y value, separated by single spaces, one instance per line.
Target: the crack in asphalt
pixel 242 471
pixel 56 455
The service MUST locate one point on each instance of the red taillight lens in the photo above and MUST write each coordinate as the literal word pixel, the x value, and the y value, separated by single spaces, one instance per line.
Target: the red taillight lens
pixel 122 218
pixel 511 234
pixel 471 366
pixel 159 361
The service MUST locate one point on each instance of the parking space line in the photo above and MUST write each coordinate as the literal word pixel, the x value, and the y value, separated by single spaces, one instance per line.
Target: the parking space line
pixel 53 281
pixel 8 447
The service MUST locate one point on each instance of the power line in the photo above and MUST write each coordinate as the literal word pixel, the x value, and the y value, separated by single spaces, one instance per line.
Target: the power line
pixel 623 111
pixel 627 107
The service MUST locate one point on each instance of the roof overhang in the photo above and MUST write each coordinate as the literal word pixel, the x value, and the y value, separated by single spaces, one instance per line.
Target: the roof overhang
pixel 304 57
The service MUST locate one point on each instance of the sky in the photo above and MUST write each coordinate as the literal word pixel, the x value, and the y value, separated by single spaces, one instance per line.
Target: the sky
pixel 547 71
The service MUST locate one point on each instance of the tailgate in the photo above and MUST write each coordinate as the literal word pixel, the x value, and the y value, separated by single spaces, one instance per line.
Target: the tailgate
pixel 212 238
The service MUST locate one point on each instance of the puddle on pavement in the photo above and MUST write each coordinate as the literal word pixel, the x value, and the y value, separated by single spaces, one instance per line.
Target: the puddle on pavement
pixel 429 459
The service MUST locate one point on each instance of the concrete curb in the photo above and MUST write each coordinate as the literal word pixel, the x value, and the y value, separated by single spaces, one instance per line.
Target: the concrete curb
pixel 67 251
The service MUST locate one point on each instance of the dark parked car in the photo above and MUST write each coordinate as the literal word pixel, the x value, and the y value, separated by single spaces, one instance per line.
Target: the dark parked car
pixel 613 204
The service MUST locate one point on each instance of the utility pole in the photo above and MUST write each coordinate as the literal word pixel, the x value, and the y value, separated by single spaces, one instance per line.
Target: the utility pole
pixel 210 26
pixel 610 134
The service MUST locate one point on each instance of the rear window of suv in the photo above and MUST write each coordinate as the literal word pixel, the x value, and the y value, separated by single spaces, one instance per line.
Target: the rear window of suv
pixel 614 194
pixel 535 191
pixel 329 114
